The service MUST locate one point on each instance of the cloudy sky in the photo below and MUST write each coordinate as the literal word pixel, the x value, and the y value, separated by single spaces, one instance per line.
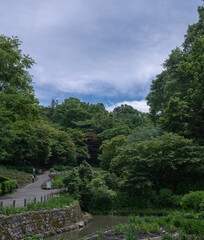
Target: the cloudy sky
pixel 97 50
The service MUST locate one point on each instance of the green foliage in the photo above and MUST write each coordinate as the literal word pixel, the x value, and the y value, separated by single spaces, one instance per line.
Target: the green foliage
pixel 186 186
pixel 85 171
pixel 18 106
pixel 57 181
pixel 100 235
pixel 109 150
pixel 162 163
pixel 193 200
pixel 176 95
pixel 101 196
pixel 60 168
pixel 133 203
pixel 130 116
pixel 119 129
pixel 8 186
pixel 59 201
pixel 11 173
pixel 144 133
pixel 80 141
pixel 165 198
pixel 184 115
pixel 72 181
pixel 3 179
pixel 94 144
pixel 70 112
pixel 170 227
pixel 111 180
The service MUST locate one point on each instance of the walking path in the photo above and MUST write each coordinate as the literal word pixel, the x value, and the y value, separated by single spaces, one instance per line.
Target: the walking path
pixel 30 192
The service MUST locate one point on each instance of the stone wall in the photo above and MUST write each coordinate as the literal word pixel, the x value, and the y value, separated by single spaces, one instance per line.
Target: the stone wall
pixel 42 223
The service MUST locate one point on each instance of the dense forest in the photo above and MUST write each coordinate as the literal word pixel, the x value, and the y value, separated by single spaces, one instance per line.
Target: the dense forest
pixel 142 155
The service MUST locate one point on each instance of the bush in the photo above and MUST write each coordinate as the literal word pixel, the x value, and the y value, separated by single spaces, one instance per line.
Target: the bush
pixel 185 186
pixel 193 200
pixel 111 180
pixel 27 169
pixel 165 197
pixel 3 179
pixel 85 171
pixel 72 181
pixel 57 181
pixel 60 168
pixel 9 186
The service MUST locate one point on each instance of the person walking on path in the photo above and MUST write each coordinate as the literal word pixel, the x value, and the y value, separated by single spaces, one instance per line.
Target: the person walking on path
pixel 29 192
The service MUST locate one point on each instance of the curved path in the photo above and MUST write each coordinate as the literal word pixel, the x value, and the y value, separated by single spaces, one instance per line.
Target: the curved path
pixel 29 192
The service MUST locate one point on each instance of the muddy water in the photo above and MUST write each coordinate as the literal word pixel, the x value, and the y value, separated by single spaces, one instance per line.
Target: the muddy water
pixel 98 223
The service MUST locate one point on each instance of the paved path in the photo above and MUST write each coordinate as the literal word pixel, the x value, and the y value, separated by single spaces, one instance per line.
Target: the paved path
pixel 29 192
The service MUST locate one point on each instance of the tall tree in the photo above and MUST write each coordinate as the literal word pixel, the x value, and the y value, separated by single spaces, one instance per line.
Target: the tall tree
pixel 16 90
pixel 18 105
pixel 176 95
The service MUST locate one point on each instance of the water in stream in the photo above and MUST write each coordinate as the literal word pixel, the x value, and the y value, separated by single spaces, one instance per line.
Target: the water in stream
pixel 97 224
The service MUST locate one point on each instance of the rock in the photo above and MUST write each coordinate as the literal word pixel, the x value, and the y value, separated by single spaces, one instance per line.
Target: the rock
pixel 81 224
pixel 39 236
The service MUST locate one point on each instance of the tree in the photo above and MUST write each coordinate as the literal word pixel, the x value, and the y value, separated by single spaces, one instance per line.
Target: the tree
pixel 70 112
pixel 73 182
pixel 16 91
pixel 166 85
pixel 63 149
pixel 182 78
pixel 18 105
pixel 144 133
pixel 102 197
pixel 130 116
pixel 118 129
pixel 109 150
pixel 94 144
pixel 85 171
pixel 80 141
pixel 162 162
pixel 185 115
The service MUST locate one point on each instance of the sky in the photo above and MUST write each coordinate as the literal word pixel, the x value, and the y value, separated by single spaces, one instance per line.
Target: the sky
pixel 100 51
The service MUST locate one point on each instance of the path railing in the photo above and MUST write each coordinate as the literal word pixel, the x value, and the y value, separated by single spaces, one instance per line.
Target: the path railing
pixel 24 200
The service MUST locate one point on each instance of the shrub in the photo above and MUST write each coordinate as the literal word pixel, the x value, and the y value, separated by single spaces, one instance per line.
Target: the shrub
pixel 3 179
pixel 165 197
pixel 193 200
pixel 185 186
pixel 59 168
pixel 85 171
pixel 9 186
pixel 57 181
pixel 111 180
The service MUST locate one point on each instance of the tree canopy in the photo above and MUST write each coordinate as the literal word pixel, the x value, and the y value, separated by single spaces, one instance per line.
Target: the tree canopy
pixel 176 96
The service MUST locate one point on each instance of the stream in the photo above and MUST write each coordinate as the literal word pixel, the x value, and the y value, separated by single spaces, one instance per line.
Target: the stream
pixel 98 223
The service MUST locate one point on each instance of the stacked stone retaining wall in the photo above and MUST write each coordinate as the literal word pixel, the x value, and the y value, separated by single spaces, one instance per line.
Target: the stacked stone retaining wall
pixel 42 223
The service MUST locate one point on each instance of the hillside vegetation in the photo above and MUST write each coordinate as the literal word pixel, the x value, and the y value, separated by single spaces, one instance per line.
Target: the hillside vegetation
pixel 148 159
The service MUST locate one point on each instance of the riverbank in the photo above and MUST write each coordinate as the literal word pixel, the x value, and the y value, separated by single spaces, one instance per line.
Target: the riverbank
pixel 43 223
pixel 111 235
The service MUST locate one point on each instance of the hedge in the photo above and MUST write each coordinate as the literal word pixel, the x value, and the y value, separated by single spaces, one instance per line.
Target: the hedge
pixel 193 200
pixel 3 179
pixel 9 186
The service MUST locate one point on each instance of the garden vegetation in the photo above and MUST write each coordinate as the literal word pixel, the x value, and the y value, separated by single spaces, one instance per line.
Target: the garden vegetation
pixel 121 161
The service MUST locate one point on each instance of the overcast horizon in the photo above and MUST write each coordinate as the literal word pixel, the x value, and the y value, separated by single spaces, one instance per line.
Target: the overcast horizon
pixel 98 51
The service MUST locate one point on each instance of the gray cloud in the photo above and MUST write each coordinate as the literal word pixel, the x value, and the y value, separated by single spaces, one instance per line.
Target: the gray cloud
pixel 109 48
